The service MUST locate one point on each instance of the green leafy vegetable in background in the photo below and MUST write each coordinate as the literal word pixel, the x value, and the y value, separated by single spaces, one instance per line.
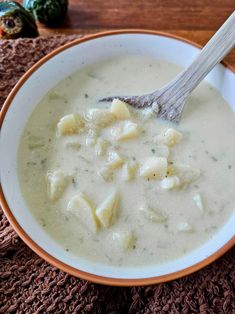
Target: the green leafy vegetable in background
pixel 15 21
pixel 49 12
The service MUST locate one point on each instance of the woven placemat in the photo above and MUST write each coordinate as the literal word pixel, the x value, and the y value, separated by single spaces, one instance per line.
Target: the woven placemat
pixel 28 284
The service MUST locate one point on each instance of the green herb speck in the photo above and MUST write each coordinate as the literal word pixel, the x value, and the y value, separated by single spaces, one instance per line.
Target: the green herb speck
pixel 214 158
pixel 43 161
pixel 31 163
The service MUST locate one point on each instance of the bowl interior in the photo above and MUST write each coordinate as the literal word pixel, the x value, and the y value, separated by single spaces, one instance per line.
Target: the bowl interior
pixel 47 76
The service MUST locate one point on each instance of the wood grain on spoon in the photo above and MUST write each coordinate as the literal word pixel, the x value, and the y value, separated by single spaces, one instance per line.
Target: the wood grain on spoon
pixel 169 101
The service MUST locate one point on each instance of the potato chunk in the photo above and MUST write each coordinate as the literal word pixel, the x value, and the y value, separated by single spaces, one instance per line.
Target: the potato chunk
pixel 153 215
pixel 101 147
pixel 170 137
pixel 154 168
pixel 114 160
pixel 127 130
pixel 147 113
pixel 185 173
pixel 129 170
pixel 100 117
pixel 170 183
pixel 57 182
pixel 199 203
pixel 69 124
pixel 107 210
pixel 125 239
pixel 120 109
pixel 185 227
pixel 83 208
pixel 92 137
pixel 106 173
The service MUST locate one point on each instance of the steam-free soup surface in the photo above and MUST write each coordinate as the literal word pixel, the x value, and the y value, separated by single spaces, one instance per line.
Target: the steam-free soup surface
pixel 143 198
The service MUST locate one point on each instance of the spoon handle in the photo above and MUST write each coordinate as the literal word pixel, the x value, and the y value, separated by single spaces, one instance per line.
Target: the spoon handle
pixel 215 50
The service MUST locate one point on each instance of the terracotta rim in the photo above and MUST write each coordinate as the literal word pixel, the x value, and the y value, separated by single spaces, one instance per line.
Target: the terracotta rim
pixel 49 258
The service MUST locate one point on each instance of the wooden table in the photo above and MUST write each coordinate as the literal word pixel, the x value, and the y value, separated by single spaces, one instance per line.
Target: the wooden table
pixel 193 19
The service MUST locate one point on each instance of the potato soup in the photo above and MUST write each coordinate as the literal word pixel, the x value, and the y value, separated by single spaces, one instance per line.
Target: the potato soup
pixel 118 186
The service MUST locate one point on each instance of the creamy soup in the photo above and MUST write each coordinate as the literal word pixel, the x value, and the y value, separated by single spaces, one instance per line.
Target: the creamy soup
pixel 115 185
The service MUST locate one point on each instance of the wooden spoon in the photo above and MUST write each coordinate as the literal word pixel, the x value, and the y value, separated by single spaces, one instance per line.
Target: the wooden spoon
pixel 168 102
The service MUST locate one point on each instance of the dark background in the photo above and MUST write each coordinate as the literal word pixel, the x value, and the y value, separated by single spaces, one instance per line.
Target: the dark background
pixel 193 19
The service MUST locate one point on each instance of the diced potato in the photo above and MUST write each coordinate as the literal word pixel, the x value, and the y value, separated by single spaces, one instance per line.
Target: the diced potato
pixel 57 182
pixel 129 170
pixel 127 130
pixel 185 227
pixel 148 113
pixel 185 173
pixel 92 137
pixel 107 210
pixel 114 160
pixel 155 107
pixel 199 203
pixel 69 124
pixel 153 215
pixel 73 145
pixel 106 173
pixel 120 109
pixel 170 137
pixel 83 208
pixel 125 239
pixel 100 117
pixel 101 147
pixel 170 183
pixel 154 168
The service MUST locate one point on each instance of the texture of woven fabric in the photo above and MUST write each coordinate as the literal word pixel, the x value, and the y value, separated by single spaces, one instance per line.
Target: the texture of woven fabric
pixel 28 284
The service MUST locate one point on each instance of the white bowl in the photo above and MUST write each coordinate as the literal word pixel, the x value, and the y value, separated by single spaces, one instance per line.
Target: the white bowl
pixel 23 100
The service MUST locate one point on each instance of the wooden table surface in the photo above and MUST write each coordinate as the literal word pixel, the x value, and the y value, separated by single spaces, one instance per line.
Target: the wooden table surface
pixel 193 19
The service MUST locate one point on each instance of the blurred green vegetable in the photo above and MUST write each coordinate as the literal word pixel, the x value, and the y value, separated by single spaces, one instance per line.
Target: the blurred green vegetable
pixel 49 12
pixel 15 21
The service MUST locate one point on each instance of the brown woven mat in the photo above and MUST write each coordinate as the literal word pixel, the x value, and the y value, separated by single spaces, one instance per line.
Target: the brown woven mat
pixel 30 285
